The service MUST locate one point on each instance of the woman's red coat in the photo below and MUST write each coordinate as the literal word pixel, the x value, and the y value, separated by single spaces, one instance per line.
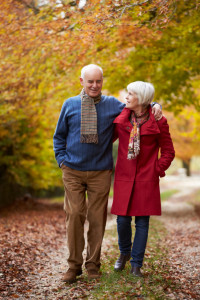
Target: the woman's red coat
pixel 136 183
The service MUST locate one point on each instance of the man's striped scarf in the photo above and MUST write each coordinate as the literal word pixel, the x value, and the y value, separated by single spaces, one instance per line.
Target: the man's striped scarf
pixel 89 118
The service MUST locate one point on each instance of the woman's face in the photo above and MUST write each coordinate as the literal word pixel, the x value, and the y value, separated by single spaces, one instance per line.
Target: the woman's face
pixel 132 100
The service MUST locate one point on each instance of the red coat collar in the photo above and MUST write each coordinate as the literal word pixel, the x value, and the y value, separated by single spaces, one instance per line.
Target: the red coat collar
pixel 150 127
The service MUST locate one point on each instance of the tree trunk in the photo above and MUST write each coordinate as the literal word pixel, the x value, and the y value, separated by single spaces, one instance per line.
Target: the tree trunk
pixel 9 189
pixel 186 165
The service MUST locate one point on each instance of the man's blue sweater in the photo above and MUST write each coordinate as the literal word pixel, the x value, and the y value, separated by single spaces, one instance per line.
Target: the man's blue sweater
pixel 81 156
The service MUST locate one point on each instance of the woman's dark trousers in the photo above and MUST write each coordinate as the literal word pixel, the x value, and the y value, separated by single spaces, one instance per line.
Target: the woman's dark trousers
pixel 140 239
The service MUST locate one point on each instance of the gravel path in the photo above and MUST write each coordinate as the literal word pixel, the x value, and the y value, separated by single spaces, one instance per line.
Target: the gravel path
pixel 46 281
pixel 183 239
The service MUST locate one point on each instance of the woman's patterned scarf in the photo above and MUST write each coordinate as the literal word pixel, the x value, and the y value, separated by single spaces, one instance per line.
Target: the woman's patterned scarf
pixel 89 118
pixel 134 139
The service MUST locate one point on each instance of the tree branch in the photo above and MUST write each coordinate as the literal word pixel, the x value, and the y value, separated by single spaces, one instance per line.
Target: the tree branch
pixel 132 5
pixel 31 5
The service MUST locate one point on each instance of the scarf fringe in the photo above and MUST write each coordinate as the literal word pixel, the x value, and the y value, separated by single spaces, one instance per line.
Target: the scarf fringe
pixel 89 138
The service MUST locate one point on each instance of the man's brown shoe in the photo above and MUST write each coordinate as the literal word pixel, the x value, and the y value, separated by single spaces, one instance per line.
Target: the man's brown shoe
pixel 93 274
pixel 70 275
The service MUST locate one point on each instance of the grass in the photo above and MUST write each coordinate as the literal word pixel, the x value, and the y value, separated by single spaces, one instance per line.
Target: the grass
pixel 167 194
pixel 111 191
pixel 61 199
pixel 157 283
pixel 164 196
pixel 57 199
pixel 197 196
pixel 122 285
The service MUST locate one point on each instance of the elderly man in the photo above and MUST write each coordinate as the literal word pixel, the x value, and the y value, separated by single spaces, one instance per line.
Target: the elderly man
pixel 83 150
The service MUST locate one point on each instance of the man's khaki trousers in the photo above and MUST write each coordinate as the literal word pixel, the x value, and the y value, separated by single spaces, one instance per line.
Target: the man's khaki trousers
pixel 97 185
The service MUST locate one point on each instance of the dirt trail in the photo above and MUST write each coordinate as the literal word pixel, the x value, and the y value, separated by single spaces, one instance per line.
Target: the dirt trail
pixel 36 237
pixel 179 203
pixel 183 240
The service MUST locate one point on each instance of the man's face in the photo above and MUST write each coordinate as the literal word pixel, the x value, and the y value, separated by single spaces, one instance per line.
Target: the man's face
pixel 92 82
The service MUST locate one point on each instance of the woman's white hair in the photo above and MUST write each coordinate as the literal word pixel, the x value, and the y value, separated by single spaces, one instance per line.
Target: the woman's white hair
pixel 144 91
pixel 91 66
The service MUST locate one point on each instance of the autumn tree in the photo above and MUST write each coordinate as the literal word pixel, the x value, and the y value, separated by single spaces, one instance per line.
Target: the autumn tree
pixel 165 54
pixel 184 129
pixel 43 48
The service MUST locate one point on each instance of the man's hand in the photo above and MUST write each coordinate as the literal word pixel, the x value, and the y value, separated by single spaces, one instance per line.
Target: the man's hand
pixel 157 112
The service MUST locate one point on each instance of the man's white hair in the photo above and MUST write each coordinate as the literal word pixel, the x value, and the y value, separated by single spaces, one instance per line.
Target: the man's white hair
pixel 144 91
pixel 88 67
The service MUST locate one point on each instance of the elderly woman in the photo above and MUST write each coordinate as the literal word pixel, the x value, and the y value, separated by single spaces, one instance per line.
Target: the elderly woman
pixel 137 172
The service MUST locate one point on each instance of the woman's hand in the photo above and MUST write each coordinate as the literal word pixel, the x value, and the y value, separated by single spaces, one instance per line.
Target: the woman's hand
pixel 157 112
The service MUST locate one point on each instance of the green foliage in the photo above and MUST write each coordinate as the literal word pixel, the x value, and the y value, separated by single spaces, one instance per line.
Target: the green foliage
pixel 169 58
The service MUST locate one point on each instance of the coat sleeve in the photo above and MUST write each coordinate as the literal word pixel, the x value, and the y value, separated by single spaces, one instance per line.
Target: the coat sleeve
pixel 60 136
pixel 166 147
